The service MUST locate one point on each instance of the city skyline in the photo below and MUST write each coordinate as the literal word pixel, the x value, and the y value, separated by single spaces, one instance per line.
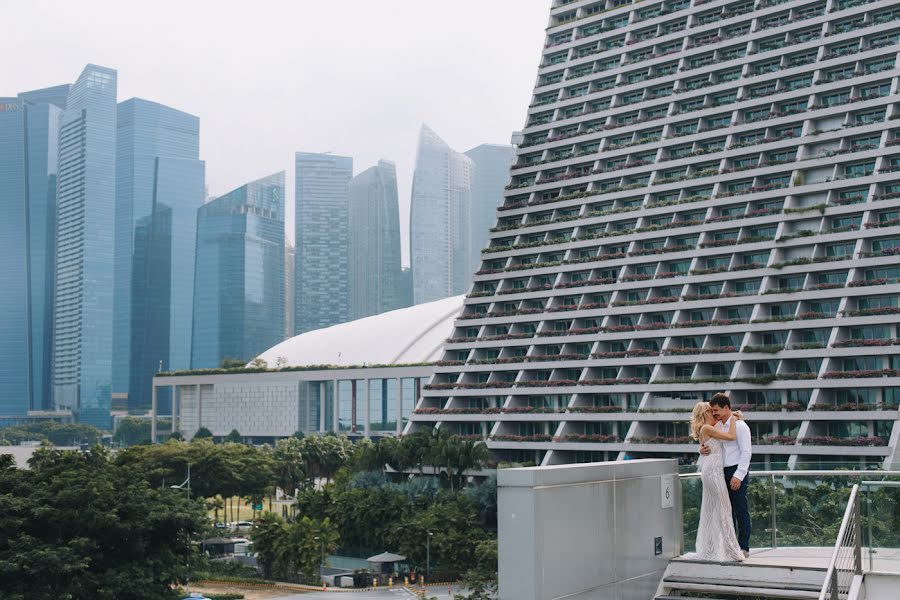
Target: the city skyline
pixel 436 84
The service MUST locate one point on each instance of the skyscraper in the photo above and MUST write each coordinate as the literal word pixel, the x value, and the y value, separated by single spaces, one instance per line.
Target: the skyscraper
pixel 707 197
pixel 374 254
pixel 288 291
pixel 239 276
pixel 321 235
pixel 440 220
pixel 159 187
pixel 85 247
pixel 29 134
pixel 490 176
pixel 406 287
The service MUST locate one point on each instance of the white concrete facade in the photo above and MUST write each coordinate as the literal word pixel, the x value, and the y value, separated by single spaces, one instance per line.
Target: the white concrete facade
pixel 277 404
pixel 707 198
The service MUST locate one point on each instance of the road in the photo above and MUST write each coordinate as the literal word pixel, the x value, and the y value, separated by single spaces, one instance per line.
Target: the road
pixel 395 594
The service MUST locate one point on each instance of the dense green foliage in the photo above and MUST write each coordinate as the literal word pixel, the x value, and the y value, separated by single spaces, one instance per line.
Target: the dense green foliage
pixel 57 434
pixel 285 549
pixel 79 526
pixel 98 521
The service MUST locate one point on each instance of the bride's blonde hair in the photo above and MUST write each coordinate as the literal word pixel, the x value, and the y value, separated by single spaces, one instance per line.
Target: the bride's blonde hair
pixel 698 418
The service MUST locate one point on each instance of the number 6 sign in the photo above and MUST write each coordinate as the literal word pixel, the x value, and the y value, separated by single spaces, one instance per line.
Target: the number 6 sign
pixel 667 483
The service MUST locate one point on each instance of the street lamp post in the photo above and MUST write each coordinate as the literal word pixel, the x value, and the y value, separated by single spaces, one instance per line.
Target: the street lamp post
pixel 321 558
pixel 186 482
pixel 428 555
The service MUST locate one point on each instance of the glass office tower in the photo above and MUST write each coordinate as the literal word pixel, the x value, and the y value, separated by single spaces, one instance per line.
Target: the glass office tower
pixel 440 220
pixel 374 253
pixel 85 248
pixel 29 132
pixel 159 187
pixel 707 198
pixel 239 276
pixel 321 234
pixel 491 174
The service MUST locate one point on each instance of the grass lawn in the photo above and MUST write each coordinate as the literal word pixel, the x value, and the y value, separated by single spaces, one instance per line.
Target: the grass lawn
pixel 242 510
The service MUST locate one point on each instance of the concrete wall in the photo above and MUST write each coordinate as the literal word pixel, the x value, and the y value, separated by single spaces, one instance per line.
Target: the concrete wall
pixel 587 531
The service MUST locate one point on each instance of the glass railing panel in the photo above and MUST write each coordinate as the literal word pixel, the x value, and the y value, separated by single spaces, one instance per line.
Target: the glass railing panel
pixel 880 510
pixel 802 509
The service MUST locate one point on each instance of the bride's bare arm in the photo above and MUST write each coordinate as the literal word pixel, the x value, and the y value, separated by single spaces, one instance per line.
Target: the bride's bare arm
pixel 729 435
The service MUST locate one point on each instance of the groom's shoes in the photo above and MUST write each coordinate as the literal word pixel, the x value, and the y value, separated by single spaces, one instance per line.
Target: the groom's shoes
pixel 746 553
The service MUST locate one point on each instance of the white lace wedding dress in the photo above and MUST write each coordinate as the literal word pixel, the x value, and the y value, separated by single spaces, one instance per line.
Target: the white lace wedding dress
pixel 716 539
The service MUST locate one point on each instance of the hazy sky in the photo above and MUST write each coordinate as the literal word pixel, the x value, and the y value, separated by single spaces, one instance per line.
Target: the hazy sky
pixel 356 77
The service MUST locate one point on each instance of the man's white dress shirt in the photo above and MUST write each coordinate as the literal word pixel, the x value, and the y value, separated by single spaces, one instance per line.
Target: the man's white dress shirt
pixel 737 452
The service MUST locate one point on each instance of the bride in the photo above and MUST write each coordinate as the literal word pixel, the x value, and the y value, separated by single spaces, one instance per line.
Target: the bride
pixel 716 540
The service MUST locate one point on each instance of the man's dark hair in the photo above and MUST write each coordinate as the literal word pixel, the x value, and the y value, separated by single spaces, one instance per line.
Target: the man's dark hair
pixel 721 400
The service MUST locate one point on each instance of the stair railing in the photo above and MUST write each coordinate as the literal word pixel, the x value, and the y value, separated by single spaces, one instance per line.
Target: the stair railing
pixel 846 560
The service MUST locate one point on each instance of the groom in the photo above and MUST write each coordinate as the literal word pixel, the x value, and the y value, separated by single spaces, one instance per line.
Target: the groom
pixel 737 465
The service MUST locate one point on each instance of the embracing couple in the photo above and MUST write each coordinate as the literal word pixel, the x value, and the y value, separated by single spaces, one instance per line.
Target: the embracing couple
pixel 725 448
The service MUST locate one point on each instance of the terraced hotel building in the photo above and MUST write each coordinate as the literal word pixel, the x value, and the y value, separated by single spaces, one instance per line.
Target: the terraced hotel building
pixel 707 198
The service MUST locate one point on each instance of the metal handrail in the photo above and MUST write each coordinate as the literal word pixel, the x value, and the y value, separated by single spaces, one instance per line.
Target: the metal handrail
pixel 848 538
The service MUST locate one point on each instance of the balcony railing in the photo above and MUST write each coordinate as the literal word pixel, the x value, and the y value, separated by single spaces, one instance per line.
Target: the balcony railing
pixel 804 508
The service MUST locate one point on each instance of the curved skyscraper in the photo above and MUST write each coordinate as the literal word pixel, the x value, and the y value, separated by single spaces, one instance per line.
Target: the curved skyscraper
pixel 374 257
pixel 492 162
pixel 440 220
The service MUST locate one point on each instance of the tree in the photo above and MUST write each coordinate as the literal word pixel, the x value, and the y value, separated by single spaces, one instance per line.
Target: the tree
pixel 232 363
pixel 58 434
pixel 77 525
pixel 289 465
pixel 132 431
pixel 203 433
pixel 258 363
pixel 286 549
pixel 481 579
pixel 234 436
pixel 453 520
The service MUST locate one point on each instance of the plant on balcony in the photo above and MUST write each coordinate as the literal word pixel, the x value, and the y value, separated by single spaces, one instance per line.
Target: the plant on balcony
pixel 862 374
pixel 866 343
pixel 449 363
pixel 554 357
pixel 596 409
pixel 547 383
pixel 619 381
pixel 810 315
pixel 795 375
pixel 867 312
pixel 867 282
pixel 660 439
pixel 827 440
pixel 586 437
pixel 766 349
pixel 532 410
pixel 775 440
pixel 847 406
pixel 537 437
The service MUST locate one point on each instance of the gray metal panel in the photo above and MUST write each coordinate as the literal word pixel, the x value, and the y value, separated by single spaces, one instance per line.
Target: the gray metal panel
pixel 586 531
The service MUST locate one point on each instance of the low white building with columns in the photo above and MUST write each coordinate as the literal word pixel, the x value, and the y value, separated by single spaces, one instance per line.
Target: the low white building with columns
pixel 361 378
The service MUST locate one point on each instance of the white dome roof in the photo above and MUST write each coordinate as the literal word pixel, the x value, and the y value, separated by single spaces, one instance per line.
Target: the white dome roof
pixel 408 335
